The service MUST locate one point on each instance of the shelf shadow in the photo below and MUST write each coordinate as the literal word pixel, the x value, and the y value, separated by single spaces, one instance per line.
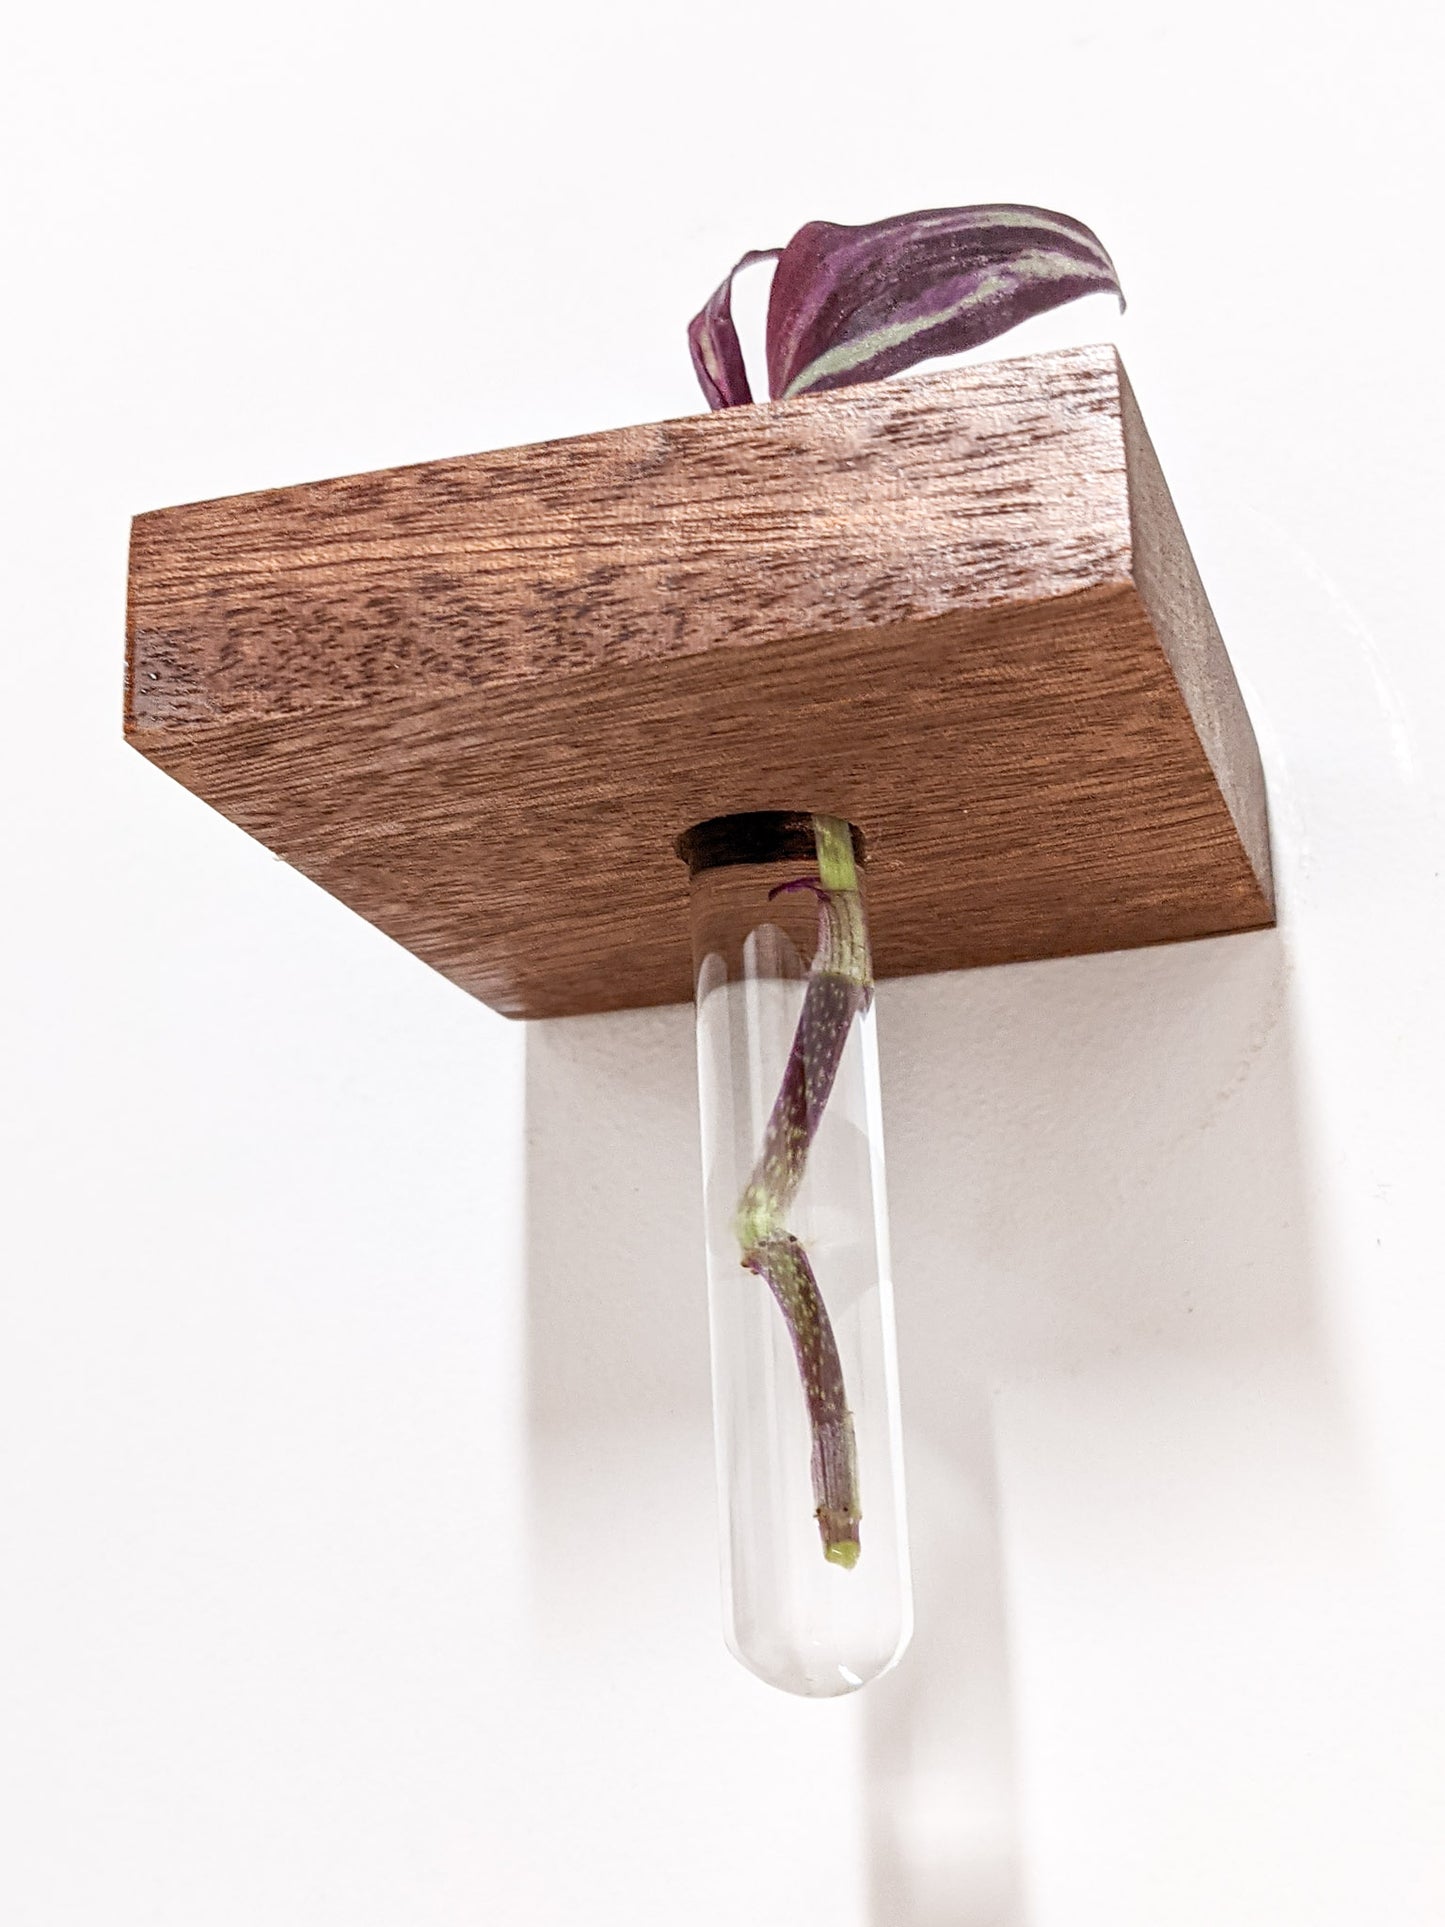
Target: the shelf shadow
pixel 1094 1164
pixel 1097 1172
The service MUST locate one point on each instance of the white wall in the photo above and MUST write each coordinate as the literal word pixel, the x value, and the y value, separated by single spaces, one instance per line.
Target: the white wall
pixel 356 1542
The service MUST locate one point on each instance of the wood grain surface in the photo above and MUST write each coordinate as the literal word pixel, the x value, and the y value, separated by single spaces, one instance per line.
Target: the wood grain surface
pixel 478 699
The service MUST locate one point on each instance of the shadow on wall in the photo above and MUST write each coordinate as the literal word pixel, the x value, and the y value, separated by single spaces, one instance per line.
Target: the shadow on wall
pixel 1095 1171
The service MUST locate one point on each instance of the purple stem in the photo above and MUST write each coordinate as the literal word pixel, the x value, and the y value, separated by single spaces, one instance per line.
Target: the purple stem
pixel 783 1264
pixel 839 989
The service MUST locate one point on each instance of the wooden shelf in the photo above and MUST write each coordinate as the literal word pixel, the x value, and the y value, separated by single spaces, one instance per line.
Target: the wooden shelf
pixel 478 699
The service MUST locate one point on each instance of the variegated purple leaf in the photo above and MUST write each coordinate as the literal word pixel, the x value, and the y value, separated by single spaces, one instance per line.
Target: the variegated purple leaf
pixel 716 351
pixel 852 304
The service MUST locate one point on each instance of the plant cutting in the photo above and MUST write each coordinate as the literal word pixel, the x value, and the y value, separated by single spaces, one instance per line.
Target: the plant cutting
pixel 839 988
pixel 847 305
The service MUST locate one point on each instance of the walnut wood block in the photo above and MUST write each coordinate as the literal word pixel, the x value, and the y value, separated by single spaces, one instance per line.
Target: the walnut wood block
pixel 478 699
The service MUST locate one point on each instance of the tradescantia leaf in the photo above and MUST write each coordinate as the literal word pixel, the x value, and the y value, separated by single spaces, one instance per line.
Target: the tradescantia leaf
pixel 717 354
pixel 853 304
pixel 856 303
